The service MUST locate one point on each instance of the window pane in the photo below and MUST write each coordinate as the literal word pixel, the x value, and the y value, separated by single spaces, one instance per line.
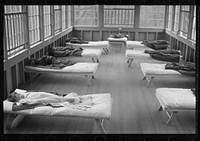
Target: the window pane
pixel 184 20
pixel 63 17
pixel 69 17
pixel 194 25
pixel 86 15
pixel 33 18
pixel 57 18
pixel 14 29
pixel 47 21
pixel 169 25
pixel 176 18
pixel 119 16
pixel 152 16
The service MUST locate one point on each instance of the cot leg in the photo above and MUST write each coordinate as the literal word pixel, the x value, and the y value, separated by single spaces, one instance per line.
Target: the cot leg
pixel 10 120
pixel 89 78
pixel 105 50
pixel 130 62
pixel 100 125
pixel 93 60
pixel 93 77
pixel 149 81
pixel 160 108
pixel 171 116
pixel 97 60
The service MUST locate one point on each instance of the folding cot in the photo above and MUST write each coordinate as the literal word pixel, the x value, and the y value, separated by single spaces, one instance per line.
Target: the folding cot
pixel 92 44
pixel 152 70
pixel 136 54
pixel 100 110
pixel 86 69
pixel 173 100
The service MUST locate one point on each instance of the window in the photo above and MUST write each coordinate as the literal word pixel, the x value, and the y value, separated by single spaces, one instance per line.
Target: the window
pixel 194 26
pixel 119 16
pixel 176 18
pixel 64 17
pixel 14 29
pixel 86 15
pixel 47 21
pixel 33 22
pixel 57 18
pixel 184 20
pixel 152 16
pixel 169 25
pixel 69 17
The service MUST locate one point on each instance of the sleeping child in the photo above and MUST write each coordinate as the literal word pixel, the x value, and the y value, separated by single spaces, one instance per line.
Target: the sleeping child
pixel 28 100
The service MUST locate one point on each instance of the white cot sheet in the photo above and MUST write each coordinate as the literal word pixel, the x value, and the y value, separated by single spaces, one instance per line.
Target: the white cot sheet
pixel 92 53
pixel 76 68
pixel 156 69
pixel 176 98
pixel 102 104
pixel 137 54
pixel 117 39
pixel 90 44
pixel 135 44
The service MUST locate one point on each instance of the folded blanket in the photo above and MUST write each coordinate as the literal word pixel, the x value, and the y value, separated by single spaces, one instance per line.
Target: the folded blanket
pixel 166 57
pixel 76 40
pixel 156 44
pixel 188 68
pixel 167 51
pixel 65 51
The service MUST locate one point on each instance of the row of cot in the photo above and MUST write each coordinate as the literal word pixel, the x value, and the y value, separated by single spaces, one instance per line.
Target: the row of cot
pixel 171 100
pixel 162 95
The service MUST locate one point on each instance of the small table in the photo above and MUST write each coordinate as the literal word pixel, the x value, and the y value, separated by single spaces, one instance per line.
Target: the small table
pixel 117 42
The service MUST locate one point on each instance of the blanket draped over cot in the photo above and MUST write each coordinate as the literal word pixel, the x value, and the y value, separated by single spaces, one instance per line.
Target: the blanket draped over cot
pixel 174 100
pixel 187 68
pixel 87 69
pixel 100 109
pixel 156 44
pixel 72 51
pixel 90 44
pixel 142 53
pixel 152 70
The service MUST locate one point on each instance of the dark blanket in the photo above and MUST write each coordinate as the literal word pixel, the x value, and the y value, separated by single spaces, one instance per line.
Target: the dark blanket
pixel 118 35
pixel 65 51
pixel 50 62
pixel 167 51
pixel 188 68
pixel 76 40
pixel 166 57
pixel 156 44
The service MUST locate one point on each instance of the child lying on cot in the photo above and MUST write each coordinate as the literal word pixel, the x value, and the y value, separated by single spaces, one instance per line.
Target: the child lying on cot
pixel 51 61
pixel 28 100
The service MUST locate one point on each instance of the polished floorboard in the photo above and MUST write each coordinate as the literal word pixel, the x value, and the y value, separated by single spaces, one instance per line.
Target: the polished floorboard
pixel 134 109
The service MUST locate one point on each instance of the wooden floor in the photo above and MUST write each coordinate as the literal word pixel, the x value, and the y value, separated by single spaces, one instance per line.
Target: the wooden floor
pixel 134 109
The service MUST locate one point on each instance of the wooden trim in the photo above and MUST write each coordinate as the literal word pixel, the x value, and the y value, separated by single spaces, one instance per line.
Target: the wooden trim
pixel 116 29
